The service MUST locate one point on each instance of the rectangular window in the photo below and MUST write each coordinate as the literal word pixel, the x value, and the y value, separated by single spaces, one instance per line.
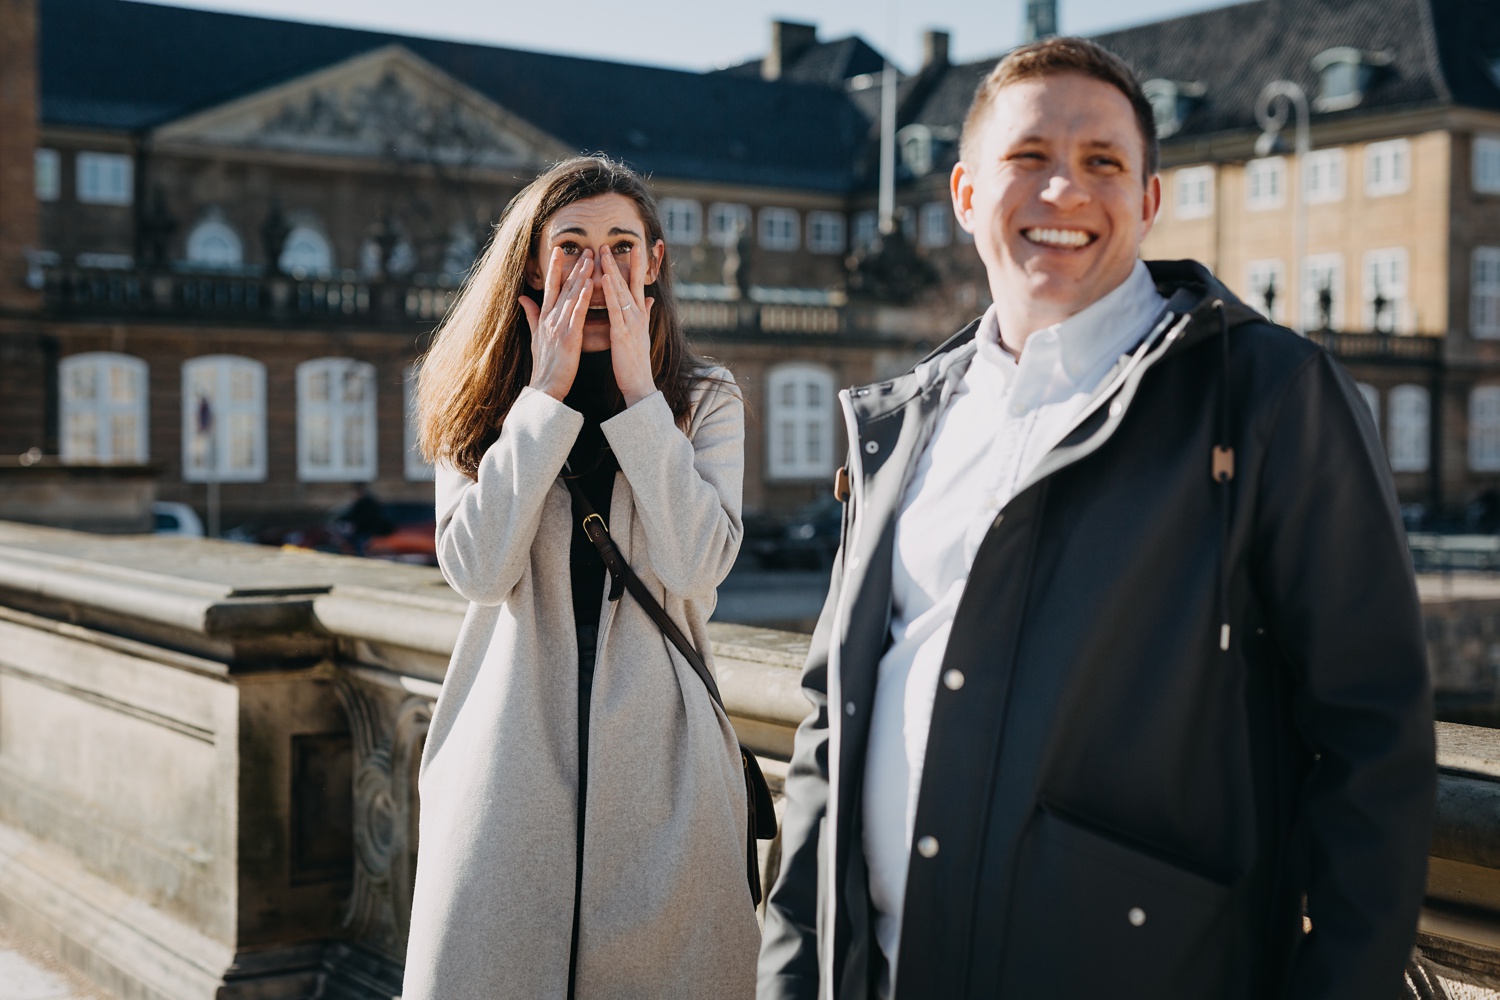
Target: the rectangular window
pixel 825 232
pixel 866 227
pixel 936 228
pixel 1323 176
pixel 683 220
pixel 335 420
pixel 105 179
pixel 779 228
pixel 1323 292
pixel 48 168
pixel 1266 285
pixel 1193 192
pixel 727 222
pixel 1265 183
pixel 1385 302
pixel 417 468
pixel 223 419
pixel 1387 168
pixel 1484 294
pixel 1487 164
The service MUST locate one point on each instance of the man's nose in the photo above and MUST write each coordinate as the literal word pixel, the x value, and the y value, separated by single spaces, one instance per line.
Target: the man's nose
pixel 1063 190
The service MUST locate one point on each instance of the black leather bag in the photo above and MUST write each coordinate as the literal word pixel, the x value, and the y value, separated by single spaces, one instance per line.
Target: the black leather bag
pixel 762 811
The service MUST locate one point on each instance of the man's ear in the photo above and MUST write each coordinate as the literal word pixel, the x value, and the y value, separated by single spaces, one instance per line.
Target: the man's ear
pixel 1151 206
pixel 961 187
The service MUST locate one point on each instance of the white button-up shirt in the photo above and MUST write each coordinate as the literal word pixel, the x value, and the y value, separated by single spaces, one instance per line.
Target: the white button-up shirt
pixel 998 423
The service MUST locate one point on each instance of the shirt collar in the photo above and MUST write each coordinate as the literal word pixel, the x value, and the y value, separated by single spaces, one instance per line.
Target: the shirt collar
pixel 1071 356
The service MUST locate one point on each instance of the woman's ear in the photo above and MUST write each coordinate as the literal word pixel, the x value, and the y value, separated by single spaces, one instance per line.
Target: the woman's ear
pixel 653 266
pixel 534 276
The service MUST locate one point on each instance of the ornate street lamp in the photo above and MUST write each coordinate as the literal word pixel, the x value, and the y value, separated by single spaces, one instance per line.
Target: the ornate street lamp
pixel 1278 99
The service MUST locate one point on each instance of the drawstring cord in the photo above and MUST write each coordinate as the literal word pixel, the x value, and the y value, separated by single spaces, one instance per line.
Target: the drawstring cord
pixel 1222 470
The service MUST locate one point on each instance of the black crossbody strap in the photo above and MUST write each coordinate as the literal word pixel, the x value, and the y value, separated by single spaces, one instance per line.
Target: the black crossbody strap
pixel 621 573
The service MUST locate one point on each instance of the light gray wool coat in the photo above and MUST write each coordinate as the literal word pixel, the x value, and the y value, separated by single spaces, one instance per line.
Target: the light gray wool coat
pixel 666 910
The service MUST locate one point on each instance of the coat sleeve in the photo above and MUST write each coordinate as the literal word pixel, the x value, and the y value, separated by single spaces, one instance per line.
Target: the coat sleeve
pixel 485 526
pixel 687 492
pixel 1333 568
pixel 789 950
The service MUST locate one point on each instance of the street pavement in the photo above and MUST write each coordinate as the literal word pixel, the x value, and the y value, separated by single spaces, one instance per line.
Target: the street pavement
pixel 28 973
pixel 786 599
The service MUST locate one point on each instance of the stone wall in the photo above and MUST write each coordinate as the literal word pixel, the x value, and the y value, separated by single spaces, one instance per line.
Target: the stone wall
pixel 208 760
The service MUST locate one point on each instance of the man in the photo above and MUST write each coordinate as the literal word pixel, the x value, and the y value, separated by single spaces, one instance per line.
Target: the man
pixel 1120 686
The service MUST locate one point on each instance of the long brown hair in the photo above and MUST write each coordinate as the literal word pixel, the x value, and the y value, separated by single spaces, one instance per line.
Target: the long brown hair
pixel 481 357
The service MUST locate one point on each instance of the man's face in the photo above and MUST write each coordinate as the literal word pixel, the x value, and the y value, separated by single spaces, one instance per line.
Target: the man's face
pixel 1057 199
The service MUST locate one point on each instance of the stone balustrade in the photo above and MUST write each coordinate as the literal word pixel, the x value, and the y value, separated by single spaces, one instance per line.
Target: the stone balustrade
pixel 208 763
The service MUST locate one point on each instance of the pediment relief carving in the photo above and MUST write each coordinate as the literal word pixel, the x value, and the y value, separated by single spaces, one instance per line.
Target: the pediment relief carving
pixel 388 104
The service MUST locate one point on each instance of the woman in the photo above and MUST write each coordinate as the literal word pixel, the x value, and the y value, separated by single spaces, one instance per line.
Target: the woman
pixel 583 811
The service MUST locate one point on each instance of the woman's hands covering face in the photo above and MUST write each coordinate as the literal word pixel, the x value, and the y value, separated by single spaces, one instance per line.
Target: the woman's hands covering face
pixel 629 321
pixel 557 324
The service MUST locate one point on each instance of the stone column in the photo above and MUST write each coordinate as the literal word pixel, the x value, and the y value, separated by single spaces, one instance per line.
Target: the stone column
pixel 18 140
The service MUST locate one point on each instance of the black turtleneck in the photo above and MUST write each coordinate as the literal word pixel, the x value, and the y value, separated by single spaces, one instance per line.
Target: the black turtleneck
pixel 593 465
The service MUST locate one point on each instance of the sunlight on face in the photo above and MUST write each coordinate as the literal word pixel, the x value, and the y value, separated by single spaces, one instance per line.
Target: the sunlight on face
pixel 611 221
pixel 1058 200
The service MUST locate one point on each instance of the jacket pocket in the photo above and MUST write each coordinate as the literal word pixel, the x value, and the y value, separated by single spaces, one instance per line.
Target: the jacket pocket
pixel 1094 917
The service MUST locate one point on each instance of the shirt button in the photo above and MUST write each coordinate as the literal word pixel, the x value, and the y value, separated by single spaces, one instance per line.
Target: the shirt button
pixel 1136 916
pixel 848 708
pixel 953 679
pixel 871 447
pixel 927 847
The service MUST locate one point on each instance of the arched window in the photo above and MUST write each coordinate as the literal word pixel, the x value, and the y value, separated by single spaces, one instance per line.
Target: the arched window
pixel 305 253
pixel 103 408
pixel 418 469
pixel 1408 436
pixel 1484 429
pixel 223 419
pixel 212 243
pixel 335 420
pixel 799 422
pixel 1372 400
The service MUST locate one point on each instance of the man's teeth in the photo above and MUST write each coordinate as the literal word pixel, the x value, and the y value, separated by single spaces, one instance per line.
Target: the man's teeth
pixel 1058 237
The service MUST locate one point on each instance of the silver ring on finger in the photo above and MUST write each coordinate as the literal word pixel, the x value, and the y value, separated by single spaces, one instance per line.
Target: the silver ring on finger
pixel 627 305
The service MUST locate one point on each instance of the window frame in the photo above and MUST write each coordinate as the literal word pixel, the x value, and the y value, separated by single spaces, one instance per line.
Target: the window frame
pixel 1482 287
pixel 1408 450
pixel 1400 303
pixel 312 234
pixel 1484 435
pixel 720 212
pixel 1182 179
pixel 779 228
pixel 1398 152
pixel 800 416
pixel 46 171
pixel 104 408
pixel 690 234
pixel 827 232
pixel 1276 267
pixel 224 367
pixel 223 230
pixel 104 179
pixel 1486 152
pixel 1327 193
pixel 415 468
pixel 338 413
pixel 1260 171
pixel 935 225
pixel 1333 265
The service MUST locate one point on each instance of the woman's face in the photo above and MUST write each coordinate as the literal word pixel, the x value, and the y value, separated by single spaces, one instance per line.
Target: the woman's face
pixel 606 223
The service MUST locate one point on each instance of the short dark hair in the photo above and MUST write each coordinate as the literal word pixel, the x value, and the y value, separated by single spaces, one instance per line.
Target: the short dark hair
pixel 1054 57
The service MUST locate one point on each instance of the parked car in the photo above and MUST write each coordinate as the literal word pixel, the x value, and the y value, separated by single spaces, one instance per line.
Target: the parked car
pixel 176 519
pixel 411 538
pixel 807 539
pixel 414 538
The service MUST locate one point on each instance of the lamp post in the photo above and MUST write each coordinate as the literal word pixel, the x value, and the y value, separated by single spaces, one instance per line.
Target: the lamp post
pixel 1277 100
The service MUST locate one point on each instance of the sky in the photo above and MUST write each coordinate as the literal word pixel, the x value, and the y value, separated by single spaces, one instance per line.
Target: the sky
pixel 704 34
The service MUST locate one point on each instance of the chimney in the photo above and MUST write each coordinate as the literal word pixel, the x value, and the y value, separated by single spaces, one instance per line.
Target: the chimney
pixel 1041 19
pixel 934 49
pixel 18 139
pixel 788 41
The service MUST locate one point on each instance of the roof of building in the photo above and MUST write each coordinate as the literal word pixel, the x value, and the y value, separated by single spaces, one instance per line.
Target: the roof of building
pixel 673 123
pixel 827 63
pixel 1440 52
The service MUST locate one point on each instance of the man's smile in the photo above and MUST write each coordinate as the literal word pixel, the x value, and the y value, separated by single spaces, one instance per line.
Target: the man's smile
pixel 1067 239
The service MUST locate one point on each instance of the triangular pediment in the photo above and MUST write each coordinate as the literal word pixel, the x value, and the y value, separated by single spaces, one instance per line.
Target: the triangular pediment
pixel 387 104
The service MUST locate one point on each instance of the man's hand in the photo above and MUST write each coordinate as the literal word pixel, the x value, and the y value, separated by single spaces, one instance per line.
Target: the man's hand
pixel 557 324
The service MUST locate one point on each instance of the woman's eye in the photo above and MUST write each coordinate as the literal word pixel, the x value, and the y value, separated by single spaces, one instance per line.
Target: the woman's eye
pixel 624 247
pixel 570 249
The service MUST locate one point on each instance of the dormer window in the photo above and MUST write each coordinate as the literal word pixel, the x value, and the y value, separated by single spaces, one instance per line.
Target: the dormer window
pixel 923 147
pixel 1344 75
pixel 1172 101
